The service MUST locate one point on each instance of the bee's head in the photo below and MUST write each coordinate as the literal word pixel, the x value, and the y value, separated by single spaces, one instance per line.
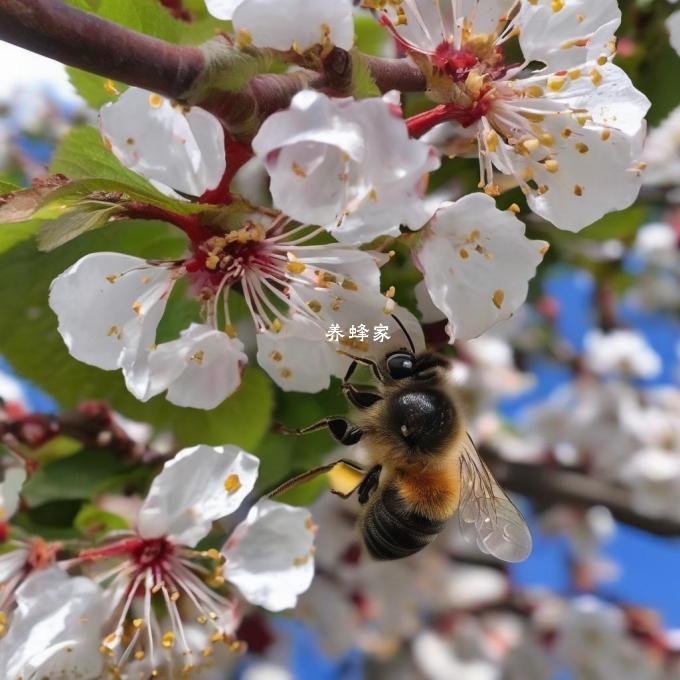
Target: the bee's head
pixel 404 365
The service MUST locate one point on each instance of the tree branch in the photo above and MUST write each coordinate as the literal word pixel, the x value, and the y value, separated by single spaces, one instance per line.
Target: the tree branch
pixel 76 38
pixel 551 486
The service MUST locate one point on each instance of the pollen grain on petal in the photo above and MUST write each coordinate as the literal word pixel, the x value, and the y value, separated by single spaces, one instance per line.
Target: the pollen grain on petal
pixel 232 483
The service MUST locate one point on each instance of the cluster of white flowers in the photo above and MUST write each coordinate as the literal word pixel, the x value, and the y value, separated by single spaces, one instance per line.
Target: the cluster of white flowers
pixel 438 617
pixel 148 601
pixel 570 134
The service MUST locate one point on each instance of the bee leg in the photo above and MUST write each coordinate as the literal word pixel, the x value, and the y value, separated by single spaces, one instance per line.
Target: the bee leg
pixel 364 361
pixel 339 427
pixel 360 398
pixel 369 484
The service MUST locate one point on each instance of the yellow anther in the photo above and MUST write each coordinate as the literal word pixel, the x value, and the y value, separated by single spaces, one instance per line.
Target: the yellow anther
pixel 498 298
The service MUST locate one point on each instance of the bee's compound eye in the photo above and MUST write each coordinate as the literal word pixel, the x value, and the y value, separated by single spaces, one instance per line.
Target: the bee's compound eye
pixel 400 366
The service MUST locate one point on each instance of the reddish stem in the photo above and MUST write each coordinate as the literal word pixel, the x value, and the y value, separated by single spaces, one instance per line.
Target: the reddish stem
pixel 237 155
pixel 189 224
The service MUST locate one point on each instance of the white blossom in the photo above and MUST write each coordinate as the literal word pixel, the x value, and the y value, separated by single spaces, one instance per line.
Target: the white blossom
pixel 158 561
pixel 593 641
pixel 288 24
pixel 673 24
pixel 346 165
pixel 662 152
pixel 653 476
pixel 621 352
pixel 570 134
pixel 55 629
pixel 477 264
pixel 179 148
pixel 109 306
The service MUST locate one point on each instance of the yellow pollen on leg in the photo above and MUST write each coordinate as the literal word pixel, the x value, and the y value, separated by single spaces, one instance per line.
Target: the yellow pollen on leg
pixel 232 484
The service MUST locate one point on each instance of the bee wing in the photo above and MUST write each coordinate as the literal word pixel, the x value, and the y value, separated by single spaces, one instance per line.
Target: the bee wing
pixel 486 515
pixel 344 478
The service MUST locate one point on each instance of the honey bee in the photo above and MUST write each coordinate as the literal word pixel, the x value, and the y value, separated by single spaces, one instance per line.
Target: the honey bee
pixel 423 466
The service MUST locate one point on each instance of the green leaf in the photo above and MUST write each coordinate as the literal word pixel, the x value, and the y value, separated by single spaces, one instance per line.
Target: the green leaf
pixel 11 234
pixel 363 84
pixel 82 155
pixel 371 37
pixel 51 521
pixel 95 523
pixel 95 90
pixel 87 216
pixel 7 188
pixel 80 476
pixel 31 343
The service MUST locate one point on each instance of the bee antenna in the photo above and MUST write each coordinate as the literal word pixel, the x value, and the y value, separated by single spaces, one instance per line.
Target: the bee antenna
pixel 403 328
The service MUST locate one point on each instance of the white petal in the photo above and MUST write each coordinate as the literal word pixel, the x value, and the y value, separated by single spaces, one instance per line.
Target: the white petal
pixel 477 263
pixel 587 185
pixel 606 93
pixel 270 555
pixel 222 9
pixel 55 631
pixel 347 165
pixel 12 562
pixel 298 358
pixel 673 24
pixel 108 303
pixel 151 136
pixel 10 489
pixel 198 486
pixel 200 369
pixel 282 23
pixel 550 36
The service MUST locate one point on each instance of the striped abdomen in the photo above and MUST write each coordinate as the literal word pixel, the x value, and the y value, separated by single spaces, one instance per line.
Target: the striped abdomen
pixel 392 531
